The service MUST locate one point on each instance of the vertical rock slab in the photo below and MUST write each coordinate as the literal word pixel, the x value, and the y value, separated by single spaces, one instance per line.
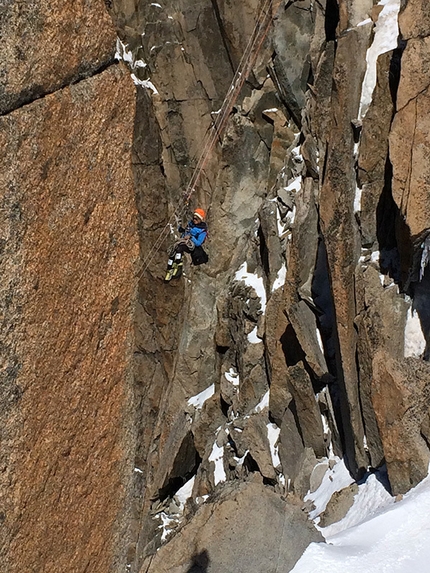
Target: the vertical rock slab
pixel 340 230
pixel 410 138
pixel 401 398
pixel 49 44
pixel 68 199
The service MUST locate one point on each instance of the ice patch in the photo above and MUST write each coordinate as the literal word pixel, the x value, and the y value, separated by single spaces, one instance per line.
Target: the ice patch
pixel 198 400
pixel 415 343
pixel 255 282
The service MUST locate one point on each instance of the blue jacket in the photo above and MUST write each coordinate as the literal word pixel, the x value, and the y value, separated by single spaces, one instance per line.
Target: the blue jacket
pixel 197 232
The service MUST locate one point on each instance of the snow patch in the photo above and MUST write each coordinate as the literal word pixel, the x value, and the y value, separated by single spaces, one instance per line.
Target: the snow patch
pixel 232 376
pixel 415 343
pixel 334 480
pixel 253 281
pixel 217 456
pixel 374 257
pixel 320 342
pixel 199 399
pixel 425 256
pixel 263 404
pixel 273 435
pixel 385 39
pixel 357 199
pixel 253 337
pixel 280 278
pixel 145 84
pixel 183 494
pixel 395 540
pixel 123 53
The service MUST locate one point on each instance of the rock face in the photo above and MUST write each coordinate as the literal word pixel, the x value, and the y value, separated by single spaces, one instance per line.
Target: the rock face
pixel 146 424
pixel 69 251
pixel 215 529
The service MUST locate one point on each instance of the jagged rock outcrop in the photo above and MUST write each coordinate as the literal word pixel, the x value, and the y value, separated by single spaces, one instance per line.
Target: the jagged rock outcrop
pixel 142 413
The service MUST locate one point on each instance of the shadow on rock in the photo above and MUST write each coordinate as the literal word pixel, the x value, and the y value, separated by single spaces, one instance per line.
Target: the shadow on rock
pixel 200 563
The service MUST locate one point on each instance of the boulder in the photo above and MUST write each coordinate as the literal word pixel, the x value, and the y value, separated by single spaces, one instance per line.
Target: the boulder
pixel 248 528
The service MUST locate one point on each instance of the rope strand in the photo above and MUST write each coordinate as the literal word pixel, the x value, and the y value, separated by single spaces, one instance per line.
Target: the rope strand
pixel 216 131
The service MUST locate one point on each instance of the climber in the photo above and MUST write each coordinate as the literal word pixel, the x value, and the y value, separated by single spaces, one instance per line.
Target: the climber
pixel 191 241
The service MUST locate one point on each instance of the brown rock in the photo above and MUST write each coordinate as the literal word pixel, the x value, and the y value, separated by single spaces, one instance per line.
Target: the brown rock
pixel 414 19
pixel 381 325
pixel 67 187
pixel 339 505
pixel 374 150
pixel 401 398
pixel 291 448
pixel 50 45
pixel 308 413
pixel 254 438
pixel 409 138
pixel 219 538
pixel 340 231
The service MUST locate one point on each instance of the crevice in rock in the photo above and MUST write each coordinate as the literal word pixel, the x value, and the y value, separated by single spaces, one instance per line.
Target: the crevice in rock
pixel 331 20
pixel 224 406
pixel 395 70
pixel 323 298
pixel 223 34
pixel 250 464
pixel 37 92
pixel 185 466
pixel 291 347
pixel 394 239
pixel 264 252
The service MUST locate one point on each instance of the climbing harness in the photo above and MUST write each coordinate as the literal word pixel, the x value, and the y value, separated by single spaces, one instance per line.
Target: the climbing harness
pixel 249 57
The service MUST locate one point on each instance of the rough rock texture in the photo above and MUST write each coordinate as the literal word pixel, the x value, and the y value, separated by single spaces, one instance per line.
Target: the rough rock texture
pixel 67 411
pixel 147 410
pixel 69 250
pixel 220 538
pixel 401 394
pixel 50 45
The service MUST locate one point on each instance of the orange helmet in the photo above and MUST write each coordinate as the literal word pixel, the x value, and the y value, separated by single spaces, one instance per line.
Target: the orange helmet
pixel 200 213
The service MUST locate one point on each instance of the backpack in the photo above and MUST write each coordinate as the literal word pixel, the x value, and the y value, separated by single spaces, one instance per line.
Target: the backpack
pixel 199 256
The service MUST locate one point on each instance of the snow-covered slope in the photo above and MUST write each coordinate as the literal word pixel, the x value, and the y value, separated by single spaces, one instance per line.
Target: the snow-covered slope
pixel 393 539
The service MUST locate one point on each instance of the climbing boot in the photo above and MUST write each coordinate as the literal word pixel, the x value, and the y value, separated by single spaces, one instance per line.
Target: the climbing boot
pixel 177 270
pixel 169 274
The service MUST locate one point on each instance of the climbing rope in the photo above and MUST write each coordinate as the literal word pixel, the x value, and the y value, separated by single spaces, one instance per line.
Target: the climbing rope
pixel 249 57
